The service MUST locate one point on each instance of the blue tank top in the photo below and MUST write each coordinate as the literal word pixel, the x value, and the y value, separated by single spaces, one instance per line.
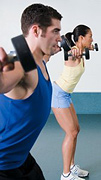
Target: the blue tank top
pixel 21 122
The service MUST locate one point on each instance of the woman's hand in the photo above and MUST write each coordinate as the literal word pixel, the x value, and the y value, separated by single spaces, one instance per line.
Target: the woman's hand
pixel 75 52
pixel 91 47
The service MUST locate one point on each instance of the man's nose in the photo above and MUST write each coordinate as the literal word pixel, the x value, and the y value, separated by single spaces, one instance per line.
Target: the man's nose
pixel 59 39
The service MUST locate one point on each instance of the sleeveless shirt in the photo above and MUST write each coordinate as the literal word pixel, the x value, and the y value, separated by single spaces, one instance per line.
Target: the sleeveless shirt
pixel 70 77
pixel 21 122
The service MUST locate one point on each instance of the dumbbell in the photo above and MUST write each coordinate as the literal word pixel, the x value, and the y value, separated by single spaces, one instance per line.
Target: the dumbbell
pixel 65 44
pixel 67 47
pixel 86 54
pixel 22 53
pixel 95 46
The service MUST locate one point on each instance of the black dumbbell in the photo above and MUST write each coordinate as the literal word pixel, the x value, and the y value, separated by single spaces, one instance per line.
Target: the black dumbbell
pixel 86 54
pixel 96 46
pixel 67 47
pixel 65 44
pixel 22 53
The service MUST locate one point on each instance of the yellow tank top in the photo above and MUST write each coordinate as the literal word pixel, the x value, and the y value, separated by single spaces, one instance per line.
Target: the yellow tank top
pixel 70 76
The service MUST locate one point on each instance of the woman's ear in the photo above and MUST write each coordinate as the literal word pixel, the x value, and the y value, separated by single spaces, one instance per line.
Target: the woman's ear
pixel 81 37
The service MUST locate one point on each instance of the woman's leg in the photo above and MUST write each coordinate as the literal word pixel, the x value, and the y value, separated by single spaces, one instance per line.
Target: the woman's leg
pixel 78 129
pixel 65 119
pixel 76 169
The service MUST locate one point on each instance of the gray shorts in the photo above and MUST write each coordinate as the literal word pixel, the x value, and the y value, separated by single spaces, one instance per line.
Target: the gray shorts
pixel 60 98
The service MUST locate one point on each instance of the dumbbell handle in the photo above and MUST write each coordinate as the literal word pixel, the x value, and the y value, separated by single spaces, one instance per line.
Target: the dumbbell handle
pixel 12 57
pixel 70 54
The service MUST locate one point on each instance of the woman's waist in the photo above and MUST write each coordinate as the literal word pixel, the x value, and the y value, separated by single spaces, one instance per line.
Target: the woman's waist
pixel 67 86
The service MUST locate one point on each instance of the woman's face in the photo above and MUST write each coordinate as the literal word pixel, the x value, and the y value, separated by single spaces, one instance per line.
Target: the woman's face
pixel 87 40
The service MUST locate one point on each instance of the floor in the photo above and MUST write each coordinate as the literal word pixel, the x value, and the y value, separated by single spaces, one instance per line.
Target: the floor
pixel 47 150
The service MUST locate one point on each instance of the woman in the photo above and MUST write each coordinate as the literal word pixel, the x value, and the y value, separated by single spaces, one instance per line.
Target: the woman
pixel 62 104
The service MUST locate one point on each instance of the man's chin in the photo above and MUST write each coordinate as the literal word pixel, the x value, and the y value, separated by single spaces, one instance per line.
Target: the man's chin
pixel 52 54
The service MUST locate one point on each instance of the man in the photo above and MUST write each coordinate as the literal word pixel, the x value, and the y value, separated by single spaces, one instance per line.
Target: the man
pixel 25 99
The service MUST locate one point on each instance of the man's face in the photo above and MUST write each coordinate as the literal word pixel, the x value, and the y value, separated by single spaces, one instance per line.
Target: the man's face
pixel 50 38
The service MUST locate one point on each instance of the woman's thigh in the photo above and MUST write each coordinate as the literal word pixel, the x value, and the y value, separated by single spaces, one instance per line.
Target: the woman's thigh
pixel 73 112
pixel 65 118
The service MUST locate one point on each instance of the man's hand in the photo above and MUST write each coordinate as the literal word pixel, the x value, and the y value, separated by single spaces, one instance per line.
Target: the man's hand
pixel 4 64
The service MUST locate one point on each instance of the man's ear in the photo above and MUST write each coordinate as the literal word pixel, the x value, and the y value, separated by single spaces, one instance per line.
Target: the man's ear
pixel 35 30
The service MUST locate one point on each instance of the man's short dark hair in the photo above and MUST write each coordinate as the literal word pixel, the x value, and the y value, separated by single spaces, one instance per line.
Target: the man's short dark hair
pixel 38 14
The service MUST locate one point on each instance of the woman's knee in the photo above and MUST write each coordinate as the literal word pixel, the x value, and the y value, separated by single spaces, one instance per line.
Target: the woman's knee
pixel 75 133
pixel 72 134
